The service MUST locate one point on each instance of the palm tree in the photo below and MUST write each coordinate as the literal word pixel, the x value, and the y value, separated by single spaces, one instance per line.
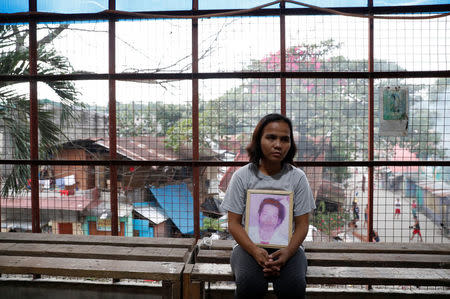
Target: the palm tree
pixel 15 103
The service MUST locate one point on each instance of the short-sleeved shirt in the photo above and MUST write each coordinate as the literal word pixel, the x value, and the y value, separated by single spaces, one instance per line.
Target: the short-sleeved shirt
pixel 289 178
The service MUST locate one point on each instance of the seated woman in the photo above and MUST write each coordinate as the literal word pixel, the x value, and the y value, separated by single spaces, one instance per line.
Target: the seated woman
pixel 271 153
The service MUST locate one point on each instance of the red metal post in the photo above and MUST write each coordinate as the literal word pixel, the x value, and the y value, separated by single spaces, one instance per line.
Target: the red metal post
pixel 34 122
pixel 283 57
pixel 195 124
pixel 112 122
pixel 371 124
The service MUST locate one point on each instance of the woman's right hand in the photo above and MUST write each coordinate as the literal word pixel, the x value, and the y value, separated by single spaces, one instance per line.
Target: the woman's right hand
pixel 261 256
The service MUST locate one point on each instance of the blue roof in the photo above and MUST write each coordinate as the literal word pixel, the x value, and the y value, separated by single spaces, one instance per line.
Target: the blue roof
pixel 178 204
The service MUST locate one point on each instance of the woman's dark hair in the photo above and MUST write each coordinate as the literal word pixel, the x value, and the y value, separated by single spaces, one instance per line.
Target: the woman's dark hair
pixel 254 148
pixel 273 202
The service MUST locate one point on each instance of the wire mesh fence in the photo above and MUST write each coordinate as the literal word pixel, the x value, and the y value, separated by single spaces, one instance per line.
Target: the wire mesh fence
pixel 139 127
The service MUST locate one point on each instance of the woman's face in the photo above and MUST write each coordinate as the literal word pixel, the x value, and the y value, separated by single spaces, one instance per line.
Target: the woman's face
pixel 269 216
pixel 275 141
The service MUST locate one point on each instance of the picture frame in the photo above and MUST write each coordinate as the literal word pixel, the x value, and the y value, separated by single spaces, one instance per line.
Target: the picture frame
pixel 393 111
pixel 269 217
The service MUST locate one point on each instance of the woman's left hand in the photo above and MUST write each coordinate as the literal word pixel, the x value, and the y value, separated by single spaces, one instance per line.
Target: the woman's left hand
pixel 279 258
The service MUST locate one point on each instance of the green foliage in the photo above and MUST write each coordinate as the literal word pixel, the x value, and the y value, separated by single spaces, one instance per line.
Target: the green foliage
pixel 211 223
pixel 328 222
pixel 15 106
pixel 138 119
pixel 336 109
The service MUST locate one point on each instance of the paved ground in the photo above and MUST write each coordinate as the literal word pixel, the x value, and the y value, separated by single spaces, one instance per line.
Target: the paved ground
pixel 392 229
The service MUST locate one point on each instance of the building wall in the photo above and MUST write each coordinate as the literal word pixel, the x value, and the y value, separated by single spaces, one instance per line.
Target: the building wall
pixel 84 175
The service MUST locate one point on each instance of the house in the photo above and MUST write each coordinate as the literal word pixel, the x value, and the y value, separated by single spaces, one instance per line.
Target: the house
pixel 177 202
pixel 140 186
pixel 96 218
pixel 398 177
pixel 59 213
pixel 150 220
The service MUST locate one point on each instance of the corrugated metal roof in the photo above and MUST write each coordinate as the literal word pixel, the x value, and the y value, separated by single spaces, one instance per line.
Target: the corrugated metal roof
pixel 141 148
pixel 62 202
pixel 98 208
pixel 178 204
pixel 154 214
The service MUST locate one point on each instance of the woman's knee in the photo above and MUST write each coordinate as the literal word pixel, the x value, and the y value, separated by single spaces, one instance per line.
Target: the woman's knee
pixel 248 275
pixel 249 287
pixel 292 281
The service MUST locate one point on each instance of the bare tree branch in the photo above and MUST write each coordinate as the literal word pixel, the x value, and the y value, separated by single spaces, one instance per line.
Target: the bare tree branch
pixel 53 34
pixel 20 39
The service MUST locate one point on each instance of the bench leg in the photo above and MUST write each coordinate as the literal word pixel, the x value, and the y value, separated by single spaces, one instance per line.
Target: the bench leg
pixel 197 289
pixel 172 288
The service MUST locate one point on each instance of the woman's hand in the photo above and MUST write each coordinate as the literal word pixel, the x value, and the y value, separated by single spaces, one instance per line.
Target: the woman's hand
pixel 261 256
pixel 278 259
pixel 271 270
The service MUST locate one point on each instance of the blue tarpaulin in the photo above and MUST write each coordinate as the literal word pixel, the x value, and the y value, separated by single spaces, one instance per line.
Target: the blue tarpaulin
pixel 177 202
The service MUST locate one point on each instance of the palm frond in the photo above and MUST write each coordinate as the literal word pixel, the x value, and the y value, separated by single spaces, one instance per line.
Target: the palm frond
pixel 15 107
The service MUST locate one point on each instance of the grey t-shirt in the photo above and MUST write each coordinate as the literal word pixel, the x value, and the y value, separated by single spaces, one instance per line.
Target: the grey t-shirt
pixel 289 178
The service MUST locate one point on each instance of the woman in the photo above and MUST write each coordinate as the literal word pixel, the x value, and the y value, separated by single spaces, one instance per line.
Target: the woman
pixel 271 154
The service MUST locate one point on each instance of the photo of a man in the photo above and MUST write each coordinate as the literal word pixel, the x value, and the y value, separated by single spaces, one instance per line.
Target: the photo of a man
pixel 268 224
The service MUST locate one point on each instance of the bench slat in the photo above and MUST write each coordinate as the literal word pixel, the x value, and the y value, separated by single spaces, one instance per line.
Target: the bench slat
pixel 95 251
pixel 410 248
pixel 378 276
pixel 347 259
pixel 97 240
pixel 71 267
pixel 378 260
pixel 342 275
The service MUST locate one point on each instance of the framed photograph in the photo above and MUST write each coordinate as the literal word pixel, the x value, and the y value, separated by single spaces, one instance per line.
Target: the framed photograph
pixel 268 217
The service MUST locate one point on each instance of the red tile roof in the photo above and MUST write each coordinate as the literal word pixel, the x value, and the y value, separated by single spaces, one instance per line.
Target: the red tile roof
pixel 402 154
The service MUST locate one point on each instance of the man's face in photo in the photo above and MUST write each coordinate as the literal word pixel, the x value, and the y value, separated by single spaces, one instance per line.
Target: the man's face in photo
pixel 268 217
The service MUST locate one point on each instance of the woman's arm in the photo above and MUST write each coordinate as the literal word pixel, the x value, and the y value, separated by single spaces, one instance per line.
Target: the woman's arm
pixel 241 237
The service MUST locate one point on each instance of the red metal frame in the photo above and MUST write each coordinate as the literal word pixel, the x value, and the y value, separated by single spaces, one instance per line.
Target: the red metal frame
pixel 33 78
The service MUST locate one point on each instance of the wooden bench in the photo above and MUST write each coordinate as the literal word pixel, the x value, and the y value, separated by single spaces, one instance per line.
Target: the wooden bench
pixel 363 264
pixel 100 257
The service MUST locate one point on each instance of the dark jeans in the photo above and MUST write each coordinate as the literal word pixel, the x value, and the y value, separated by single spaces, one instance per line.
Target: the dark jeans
pixel 251 283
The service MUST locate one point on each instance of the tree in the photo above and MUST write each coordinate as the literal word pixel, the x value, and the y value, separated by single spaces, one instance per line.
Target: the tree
pixel 137 119
pixel 333 108
pixel 15 104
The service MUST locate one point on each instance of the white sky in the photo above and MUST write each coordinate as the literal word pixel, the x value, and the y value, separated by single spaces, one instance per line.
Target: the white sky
pixel 416 45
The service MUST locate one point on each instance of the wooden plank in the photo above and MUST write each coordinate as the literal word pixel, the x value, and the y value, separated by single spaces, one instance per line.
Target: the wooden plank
pixel 348 259
pixel 378 260
pixel 410 248
pixel 345 293
pixel 100 268
pixel 187 280
pixel 414 248
pixel 213 256
pixel 212 272
pixel 342 275
pixel 217 244
pixel 95 251
pixel 378 276
pixel 188 243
